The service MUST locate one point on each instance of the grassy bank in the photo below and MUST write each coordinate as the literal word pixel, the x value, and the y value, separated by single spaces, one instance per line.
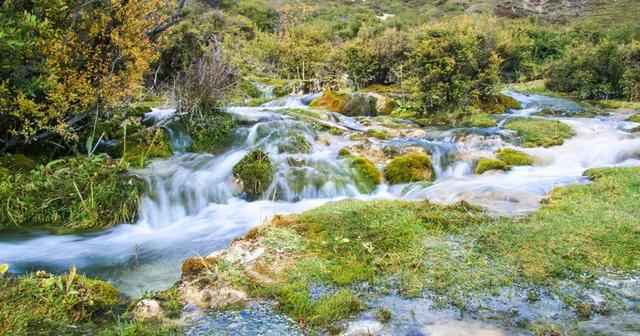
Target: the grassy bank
pixel 455 251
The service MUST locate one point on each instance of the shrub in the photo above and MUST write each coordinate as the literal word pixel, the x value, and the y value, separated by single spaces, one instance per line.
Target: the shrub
pixel 485 165
pixel 412 167
pixel 255 171
pixel 513 157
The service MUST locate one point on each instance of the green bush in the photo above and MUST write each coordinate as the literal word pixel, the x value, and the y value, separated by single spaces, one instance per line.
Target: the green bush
pixel 70 194
pixel 255 171
pixel 412 167
pixel 485 164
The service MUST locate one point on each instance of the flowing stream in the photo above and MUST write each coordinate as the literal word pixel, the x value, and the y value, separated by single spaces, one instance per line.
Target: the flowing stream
pixel 194 205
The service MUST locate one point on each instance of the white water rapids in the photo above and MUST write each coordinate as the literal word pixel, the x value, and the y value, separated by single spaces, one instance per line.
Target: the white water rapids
pixel 194 205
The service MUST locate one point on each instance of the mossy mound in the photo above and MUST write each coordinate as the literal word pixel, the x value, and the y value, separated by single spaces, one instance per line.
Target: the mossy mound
pixel 482 120
pixel 368 176
pixel 296 144
pixel 255 171
pixel 330 100
pixel 211 132
pixel 385 105
pixel 498 104
pixel 82 193
pixel 485 165
pixel 378 134
pixel 43 304
pixel 360 105
pixel 147 144
pixel 513 157
pixel 412 167
pixel 540 132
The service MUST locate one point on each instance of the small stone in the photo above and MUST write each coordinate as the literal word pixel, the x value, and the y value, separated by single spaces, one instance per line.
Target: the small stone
pixel 147 310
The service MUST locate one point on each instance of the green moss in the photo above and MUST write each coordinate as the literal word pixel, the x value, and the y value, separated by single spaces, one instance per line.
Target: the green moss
pixel 540 132
pixel 635 118
pixel 498 104
pixel 70 194
pixel 480 120
pixel 210 132
pixel 138 148
pixel 513 157
pixel 330 100
pixel 247 89
pixel 17 162
pixel 296 144
pixel 378 134
pixel 485 165
pixel 34 304
pixel 360 105
pixel 367 177
pixel 255 171
pixel 257 102
pixel 412 167
pixel 344 152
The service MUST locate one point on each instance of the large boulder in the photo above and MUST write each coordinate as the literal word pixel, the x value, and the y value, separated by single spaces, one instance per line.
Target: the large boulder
pixel 360 104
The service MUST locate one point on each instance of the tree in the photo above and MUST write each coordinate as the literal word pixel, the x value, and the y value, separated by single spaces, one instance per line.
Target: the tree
pixel 61 59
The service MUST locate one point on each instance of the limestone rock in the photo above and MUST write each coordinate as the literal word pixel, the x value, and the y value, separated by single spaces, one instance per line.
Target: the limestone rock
pixel 147 310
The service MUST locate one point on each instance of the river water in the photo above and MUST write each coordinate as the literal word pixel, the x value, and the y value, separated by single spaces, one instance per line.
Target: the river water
pixel 194 205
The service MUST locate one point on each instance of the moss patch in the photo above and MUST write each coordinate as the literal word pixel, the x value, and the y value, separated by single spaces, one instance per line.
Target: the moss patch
pixel 73 193
pixel 17 162
pixel 330 100
pixel 485 165
pixel 412 167
pixel 540 132
pixel 42 303
pixel 513 157
pixel 255 171
pixel 210 132
pixel 480 120
pixel 367 177
pixel 498 104
pixel 635 118
pixel 378 134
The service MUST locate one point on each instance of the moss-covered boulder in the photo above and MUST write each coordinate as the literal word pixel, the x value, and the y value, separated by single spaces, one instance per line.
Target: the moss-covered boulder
pixel 330 100
pixel 295 144
pixel 498 104
pixel 385 105
pixel 367 175
pixel 408 168
pixel 255 172
pixel 482 120
pixel 635 118
pixel 378 134
pixel 485 165
pixel 360 105
pixel 513 157
pixel 211 132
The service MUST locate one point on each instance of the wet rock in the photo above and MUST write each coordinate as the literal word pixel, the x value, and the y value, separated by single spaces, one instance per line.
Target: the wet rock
pixel 147 310
pixel 360 105
pixel 363 328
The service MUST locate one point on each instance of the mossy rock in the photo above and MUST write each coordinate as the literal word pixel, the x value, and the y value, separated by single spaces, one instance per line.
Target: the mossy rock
pixel 210 132
pixel 296 144
pixel 385 105
pixel 513 157
pixel 482 120
pixel 255 171
pixel 138 148
pixel 537 132
pixel 413 167
pixel 378 134
pixel 330 100
pixel 343 152
pixel 635 118
pixel 17 162
pixel 498 104
pixel 368 176
pixel 486 164
pixel 360 105
pixel 139 111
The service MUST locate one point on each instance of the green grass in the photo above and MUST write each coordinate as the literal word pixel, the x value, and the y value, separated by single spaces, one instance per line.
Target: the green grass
pixel 540 132
pixel 42 304
pixel 457 252
pixel 70 194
